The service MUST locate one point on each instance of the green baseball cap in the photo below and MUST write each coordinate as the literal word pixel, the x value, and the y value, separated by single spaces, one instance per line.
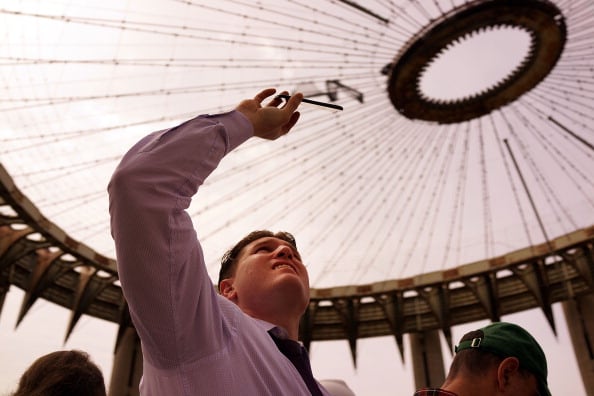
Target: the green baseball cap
pixel 510 340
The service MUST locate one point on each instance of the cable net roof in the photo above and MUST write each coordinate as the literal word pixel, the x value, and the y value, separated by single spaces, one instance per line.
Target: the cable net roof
pixel 369 193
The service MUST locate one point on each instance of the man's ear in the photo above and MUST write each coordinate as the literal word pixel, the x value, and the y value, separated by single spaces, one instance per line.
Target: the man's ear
pixel 227 290
pixel 506 370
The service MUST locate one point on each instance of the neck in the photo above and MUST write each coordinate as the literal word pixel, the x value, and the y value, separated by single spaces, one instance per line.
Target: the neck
pixel 280 310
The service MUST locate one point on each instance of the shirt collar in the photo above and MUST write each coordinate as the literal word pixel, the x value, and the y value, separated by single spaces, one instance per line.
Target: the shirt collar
pixel 277 331
pixel 267 326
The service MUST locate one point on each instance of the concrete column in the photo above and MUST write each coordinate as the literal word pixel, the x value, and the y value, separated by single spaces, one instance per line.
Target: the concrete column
pixel 427 359
pixel 579 317
pixel 127 366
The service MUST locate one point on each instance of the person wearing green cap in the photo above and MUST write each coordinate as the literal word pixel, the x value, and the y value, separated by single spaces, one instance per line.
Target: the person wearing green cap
pixel 499 359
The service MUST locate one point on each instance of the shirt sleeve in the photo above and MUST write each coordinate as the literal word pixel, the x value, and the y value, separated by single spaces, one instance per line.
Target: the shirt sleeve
pixel 171 299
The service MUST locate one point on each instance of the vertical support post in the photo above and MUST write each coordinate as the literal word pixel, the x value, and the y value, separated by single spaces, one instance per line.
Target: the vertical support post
pixel 127 366
pixel 579 317
pixel 427 359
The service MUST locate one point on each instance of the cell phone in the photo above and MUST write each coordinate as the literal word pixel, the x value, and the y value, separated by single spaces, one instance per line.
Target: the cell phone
pixel 313 102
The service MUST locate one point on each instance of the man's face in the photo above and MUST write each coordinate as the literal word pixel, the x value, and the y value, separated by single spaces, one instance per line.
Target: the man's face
pixel 269 271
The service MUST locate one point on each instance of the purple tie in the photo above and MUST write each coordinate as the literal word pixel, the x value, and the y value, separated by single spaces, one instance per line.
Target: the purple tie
pixel 298 356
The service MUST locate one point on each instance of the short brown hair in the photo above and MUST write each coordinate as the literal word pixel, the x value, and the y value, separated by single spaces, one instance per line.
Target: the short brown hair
pixel 62 373
pixel 229 259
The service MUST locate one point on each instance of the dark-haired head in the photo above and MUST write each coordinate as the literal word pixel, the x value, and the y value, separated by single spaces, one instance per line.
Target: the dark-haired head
pixel 62 373
pixel 229 259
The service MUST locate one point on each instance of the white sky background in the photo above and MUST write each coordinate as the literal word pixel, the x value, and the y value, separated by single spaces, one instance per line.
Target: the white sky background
pixel 416 202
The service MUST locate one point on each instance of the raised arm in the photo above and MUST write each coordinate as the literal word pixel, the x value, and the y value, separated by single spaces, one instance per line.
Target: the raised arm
pixel 160 261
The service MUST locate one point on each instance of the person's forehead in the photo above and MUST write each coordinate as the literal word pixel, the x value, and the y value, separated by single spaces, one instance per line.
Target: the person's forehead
pixel 269 239
pixel 263 241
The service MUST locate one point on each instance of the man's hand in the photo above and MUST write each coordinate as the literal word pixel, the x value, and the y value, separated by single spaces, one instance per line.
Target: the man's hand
pixel 271 121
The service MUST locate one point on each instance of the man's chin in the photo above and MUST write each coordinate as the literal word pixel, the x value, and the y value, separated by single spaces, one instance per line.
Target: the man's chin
pixel 291 283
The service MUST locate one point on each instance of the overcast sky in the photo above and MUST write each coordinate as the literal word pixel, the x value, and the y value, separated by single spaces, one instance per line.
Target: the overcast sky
pixel 369 194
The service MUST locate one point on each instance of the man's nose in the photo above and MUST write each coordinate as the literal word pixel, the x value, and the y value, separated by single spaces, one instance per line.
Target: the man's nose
pixel 284 251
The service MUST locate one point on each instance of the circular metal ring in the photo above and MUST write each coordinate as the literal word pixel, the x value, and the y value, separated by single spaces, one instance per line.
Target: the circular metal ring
pixel 540 18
